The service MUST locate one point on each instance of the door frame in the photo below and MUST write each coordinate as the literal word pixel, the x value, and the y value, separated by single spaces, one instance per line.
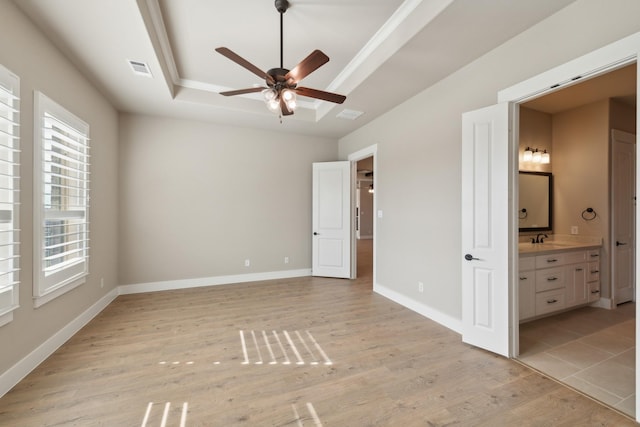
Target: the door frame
pixel 370 151
pixel 600 61
pixel 618 136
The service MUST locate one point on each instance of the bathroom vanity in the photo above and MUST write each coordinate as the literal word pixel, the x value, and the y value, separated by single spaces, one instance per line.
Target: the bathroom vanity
pixel 556 276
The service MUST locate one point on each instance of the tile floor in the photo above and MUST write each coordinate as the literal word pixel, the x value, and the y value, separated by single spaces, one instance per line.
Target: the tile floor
pixel 590 349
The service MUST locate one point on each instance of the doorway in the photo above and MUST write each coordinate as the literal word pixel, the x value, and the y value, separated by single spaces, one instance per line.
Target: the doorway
pixel 365 193
pixel 590 348
pixel 364 208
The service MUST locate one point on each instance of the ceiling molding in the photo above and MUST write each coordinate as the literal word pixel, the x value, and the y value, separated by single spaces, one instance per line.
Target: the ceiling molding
pixel 160 31
pixel 410 18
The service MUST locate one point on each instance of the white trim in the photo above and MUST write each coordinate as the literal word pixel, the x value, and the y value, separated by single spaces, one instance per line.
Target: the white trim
pixel 370 151
pixel 408 19
pixel 163 40
pixel 600 61
pixel 169 285
pixel 420 308
pixel 603 303
pixel 17 372
pixel 50 295
pixel 46 287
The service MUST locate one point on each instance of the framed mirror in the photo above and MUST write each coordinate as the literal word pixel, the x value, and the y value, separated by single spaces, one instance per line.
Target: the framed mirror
pixel 535 198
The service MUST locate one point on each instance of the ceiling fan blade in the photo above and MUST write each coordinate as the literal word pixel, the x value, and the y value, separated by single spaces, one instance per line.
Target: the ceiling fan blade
pixel 283 107
pixel 242 91
pixel 244 63
pixel 320 94
pixel 307 66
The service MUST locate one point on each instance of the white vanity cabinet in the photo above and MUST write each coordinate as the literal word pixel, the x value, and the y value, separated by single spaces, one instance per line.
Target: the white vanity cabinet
pixel 558 280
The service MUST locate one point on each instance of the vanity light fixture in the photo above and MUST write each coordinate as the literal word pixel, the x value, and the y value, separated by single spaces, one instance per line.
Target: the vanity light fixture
pixel 536 156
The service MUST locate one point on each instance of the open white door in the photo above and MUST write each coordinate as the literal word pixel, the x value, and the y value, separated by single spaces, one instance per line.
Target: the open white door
pixel 623 204
pixel 485 230
pixel 331 210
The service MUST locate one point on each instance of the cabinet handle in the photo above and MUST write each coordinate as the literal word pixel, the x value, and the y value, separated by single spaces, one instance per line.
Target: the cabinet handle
pixel 523 278
pixel 578 269
pixel 594 255
pixel 552 260
pixel 595 292
pixel 595 271
pixel 551 279
pixel 552 301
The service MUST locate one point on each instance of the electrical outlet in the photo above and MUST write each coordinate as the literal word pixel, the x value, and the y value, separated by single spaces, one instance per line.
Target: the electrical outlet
pixel 102 282
pixel 420 287
pixel 247 262
pixel 286 260
pixel 574 229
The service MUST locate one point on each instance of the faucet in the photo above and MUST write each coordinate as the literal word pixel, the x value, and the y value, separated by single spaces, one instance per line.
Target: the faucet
pixel 539 239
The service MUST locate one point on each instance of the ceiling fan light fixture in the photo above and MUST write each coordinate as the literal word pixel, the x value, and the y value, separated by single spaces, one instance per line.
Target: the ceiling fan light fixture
pixel 269 94
pixel 273 104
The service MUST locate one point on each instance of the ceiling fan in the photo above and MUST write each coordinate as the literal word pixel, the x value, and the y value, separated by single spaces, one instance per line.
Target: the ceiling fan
pixel 282 84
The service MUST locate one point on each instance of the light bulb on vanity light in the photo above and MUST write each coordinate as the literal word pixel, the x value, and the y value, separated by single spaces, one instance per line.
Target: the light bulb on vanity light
pixel 545 158
pixel 537 156
pixel 527 155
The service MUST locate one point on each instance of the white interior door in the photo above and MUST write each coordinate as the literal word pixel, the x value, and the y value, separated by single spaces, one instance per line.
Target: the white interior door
pixel 331 210
pixel 485 231
pixel 623 195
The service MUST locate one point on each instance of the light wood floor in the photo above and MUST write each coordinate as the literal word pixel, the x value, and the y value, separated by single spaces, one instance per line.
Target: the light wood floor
pixel 189 358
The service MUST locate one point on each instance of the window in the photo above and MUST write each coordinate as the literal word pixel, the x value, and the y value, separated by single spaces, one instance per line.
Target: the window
pixel 9 198
pixel 61 206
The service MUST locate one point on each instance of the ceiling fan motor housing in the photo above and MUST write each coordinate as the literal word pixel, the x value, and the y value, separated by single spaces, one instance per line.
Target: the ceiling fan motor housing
pixel 282 5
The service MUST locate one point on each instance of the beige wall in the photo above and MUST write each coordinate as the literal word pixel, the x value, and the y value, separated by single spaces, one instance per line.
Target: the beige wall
pixel 535 132
pixel 40 66
pixel 197 199
pixel 418 158
pixel 581 175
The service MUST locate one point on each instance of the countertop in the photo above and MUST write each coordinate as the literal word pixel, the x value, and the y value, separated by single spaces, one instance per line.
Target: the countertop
pixel 528 248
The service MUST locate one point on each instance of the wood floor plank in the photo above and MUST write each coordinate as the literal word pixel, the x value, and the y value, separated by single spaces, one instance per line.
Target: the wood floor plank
pixel 179 354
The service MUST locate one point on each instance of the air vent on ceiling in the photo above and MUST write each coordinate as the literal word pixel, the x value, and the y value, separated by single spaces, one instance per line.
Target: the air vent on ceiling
pixel 140 68
pixel 349 114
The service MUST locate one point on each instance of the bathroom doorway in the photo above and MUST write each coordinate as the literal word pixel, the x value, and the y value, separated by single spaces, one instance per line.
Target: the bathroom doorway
pixel 591 348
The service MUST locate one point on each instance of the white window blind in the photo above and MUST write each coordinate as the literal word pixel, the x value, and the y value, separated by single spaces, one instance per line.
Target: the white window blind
pixel 9 197
pixel 62 171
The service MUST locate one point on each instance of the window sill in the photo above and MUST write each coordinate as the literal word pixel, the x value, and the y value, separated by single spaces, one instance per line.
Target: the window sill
pixel 6 317
pixel 39 301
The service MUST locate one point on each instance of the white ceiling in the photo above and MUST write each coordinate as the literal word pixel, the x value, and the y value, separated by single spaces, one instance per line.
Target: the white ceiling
pixel 382 51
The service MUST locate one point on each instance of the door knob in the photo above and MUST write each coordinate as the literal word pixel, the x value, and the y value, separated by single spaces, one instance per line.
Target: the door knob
pixel 470 257
pixel 316 234
pixel 620 243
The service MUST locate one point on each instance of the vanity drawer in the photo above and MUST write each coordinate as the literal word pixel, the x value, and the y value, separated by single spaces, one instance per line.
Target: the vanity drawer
pixel 593 271
pixel 550 278
pixel 549 301
pixel 593 255
pixel 594 291
pixel 550 260
pixel 561 258
pixel 527 263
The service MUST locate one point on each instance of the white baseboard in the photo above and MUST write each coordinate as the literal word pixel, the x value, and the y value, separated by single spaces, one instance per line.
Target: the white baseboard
pixel 210 281
pixel 17 372
pixel 603 303
pixel 426 311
